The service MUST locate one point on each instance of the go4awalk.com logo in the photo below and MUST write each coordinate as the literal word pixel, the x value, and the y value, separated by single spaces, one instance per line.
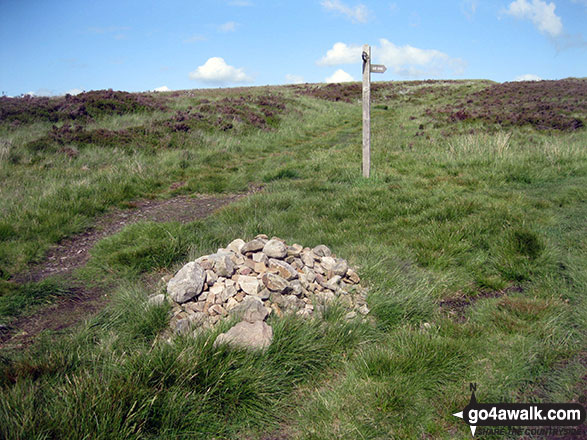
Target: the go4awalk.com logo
pixel 520 414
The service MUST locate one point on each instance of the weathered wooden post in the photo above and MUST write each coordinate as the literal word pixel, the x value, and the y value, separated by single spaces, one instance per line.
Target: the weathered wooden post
pixel 366 110
pixel 367 69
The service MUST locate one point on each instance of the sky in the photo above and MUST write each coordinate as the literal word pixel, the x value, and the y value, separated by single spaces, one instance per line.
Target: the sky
pixel 57 47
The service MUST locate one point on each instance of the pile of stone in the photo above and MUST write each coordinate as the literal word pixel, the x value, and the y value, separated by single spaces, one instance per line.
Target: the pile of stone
pixel 257 278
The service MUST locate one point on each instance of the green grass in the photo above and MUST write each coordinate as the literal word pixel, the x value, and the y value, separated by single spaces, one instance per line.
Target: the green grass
pixel 443 217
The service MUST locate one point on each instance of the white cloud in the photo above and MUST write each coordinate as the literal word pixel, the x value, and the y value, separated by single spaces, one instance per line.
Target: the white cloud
pixel 469 8
pixel 412 62
pixel 357 13
pixel 229 26
pixel 195 39
pixel 406 61
pixel 339 76
pixel 41 92
pixel 74 91
pixel 162 89
pixel 528 77
pixel 540 13
pixel 216 71
pixel 294 79
pixel 341 54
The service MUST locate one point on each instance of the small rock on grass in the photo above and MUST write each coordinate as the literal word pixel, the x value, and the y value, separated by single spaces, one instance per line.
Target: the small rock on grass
pixel 249 335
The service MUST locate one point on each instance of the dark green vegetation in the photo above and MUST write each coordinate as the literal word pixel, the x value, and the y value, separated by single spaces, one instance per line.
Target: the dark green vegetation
pixel 470 236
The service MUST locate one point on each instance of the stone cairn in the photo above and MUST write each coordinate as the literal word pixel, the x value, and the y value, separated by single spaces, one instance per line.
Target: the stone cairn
pixel 255 279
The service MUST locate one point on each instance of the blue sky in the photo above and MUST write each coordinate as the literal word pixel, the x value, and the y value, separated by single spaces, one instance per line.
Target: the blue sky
pixel 50 48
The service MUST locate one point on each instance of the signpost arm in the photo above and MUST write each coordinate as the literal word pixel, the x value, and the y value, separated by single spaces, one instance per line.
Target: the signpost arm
pixel 366 110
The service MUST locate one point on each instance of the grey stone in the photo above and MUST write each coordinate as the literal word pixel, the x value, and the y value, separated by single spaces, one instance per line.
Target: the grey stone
pixel 252 309
pixel 341 267
pixel 350 315
pixel 197 318
pixel 322 251
pixel 325 297
pixel 217 288
pixel 327 263
pixel 297 264
pixel 308 259
pixel 275 249
pixel 333 283
pixel 195 306
pixel 264 293
pixel 364 310
pixel 249 335
pixel 156 300
pixel 227 293
pixel 293 303
pixel 260 257
pixel 231 304
pixel 182 326
pixel 253 246
pixel 217 309
pixel 310 274
pixel 294 250
pixel 187 283
pixel 296 287
pixel 304 313
pixel 211 277
pixel 223 266
pixel 236 245
pixel 249 284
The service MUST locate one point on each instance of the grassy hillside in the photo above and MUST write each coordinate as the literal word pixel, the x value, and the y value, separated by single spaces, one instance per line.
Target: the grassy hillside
pixel 470 236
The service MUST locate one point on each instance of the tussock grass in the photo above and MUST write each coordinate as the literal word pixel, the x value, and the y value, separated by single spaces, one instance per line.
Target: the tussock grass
pixel 492 220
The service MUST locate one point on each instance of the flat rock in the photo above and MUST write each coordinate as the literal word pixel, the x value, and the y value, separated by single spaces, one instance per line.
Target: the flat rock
pixel 249 335
pixel 284 269
pixel 249 284
pixel 227 293
pixel 275 282
pixel 260 257
pixel 251 309
pixel 217 309
pixel 187 283
pixel 253 246
pixel 294 250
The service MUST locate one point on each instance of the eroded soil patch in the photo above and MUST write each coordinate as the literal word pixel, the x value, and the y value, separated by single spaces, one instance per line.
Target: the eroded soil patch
pixel 73 253
pixel 457 307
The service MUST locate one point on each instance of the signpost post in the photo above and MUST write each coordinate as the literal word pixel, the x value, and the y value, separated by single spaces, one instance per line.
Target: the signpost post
pixel 367 69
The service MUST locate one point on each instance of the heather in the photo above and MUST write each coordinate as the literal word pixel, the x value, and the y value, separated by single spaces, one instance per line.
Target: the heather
pixel 85 106
pixel 544 105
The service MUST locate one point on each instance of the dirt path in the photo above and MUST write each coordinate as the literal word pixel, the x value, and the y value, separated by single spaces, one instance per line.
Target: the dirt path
pixel 73 253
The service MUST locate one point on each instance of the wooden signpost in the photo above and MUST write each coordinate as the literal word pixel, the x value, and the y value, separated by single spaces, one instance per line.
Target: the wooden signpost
pixel 367 69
